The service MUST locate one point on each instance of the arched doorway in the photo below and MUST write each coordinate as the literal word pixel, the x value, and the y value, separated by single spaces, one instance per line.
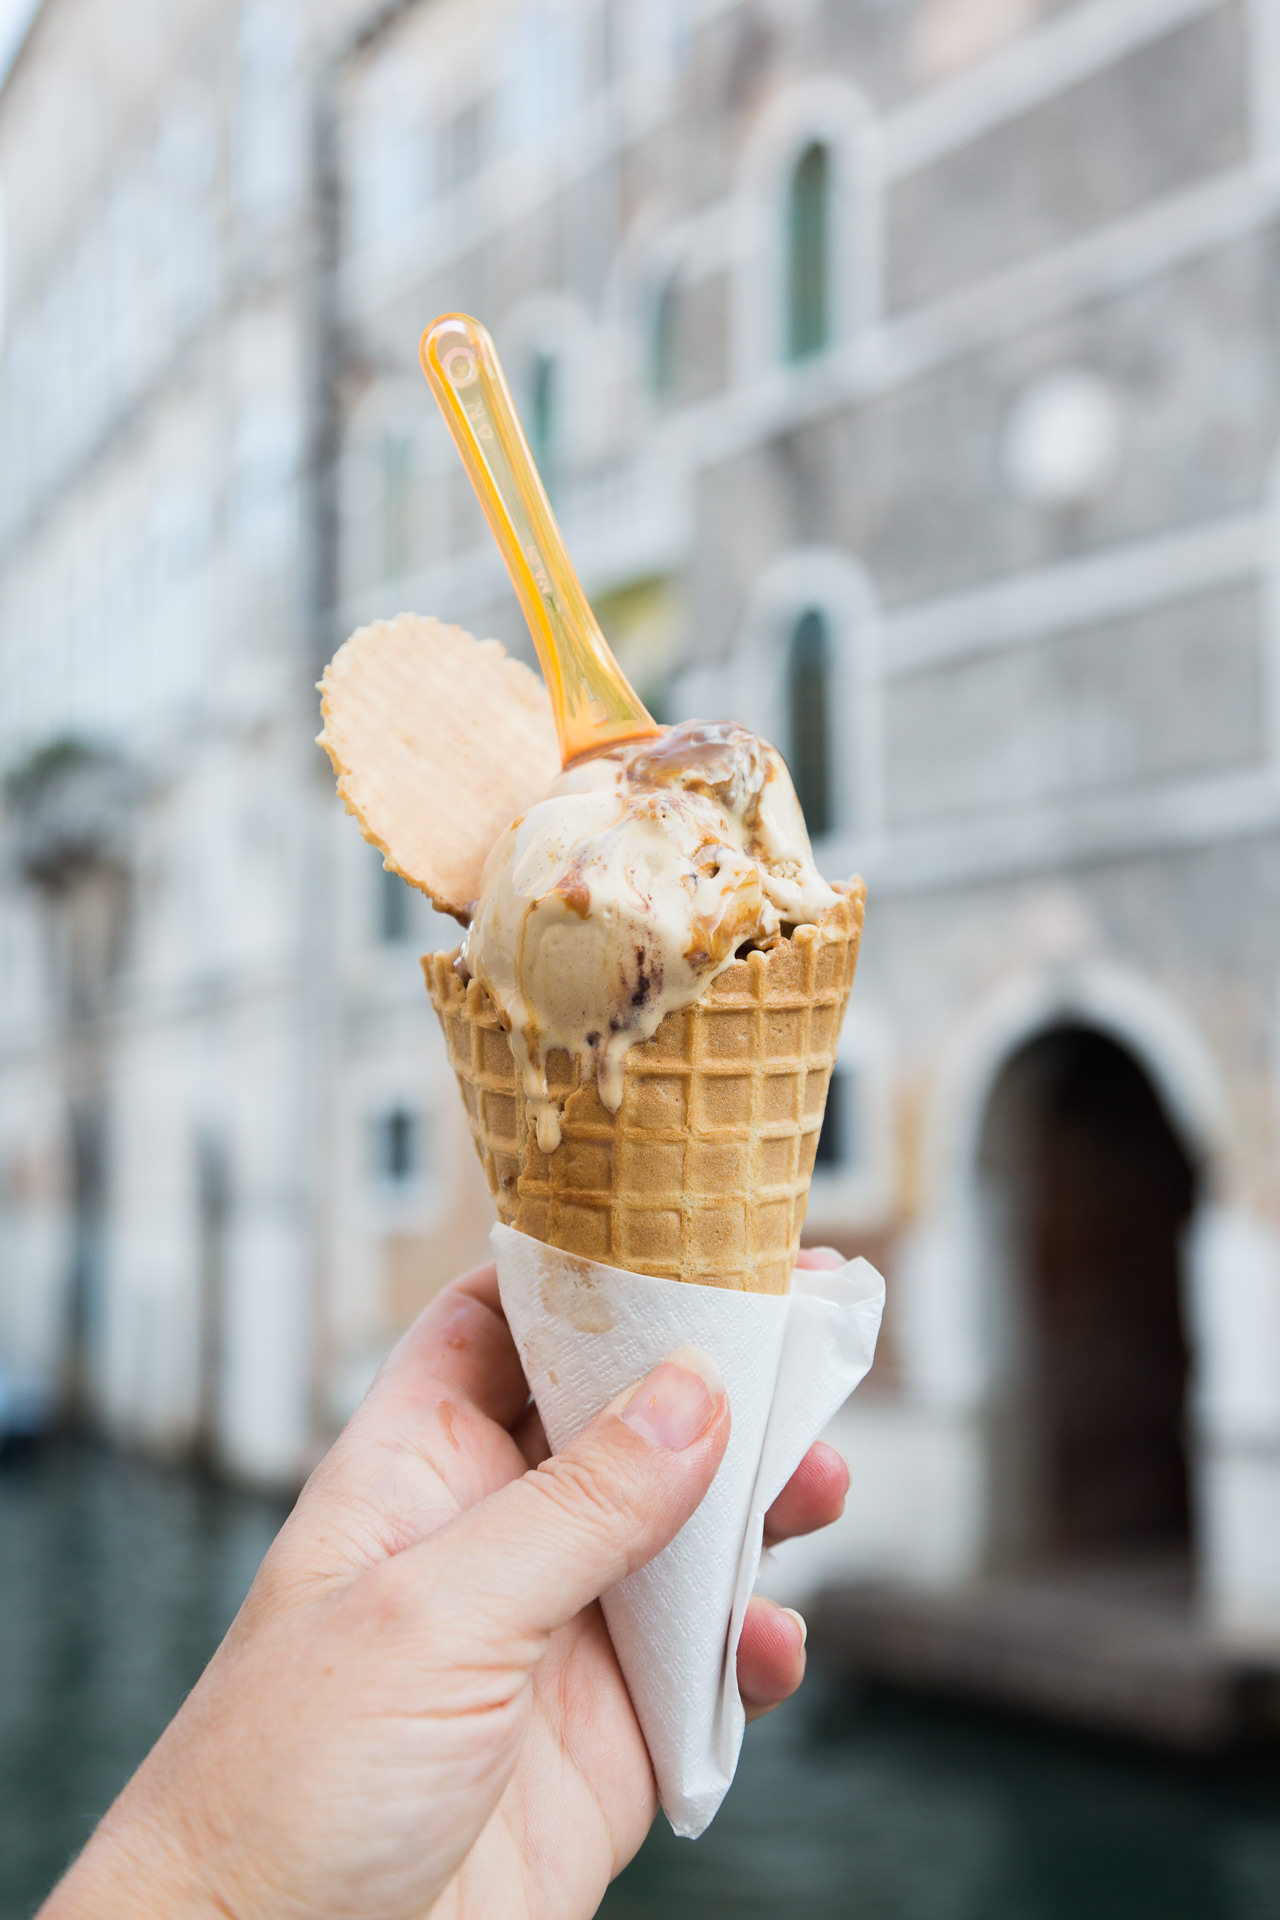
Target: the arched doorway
pixel 1087 1189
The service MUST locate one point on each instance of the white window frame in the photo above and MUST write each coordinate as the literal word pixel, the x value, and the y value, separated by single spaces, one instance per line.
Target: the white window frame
pixel 825 579
pixel 559 327
pixel 829 112
pixel 856 1194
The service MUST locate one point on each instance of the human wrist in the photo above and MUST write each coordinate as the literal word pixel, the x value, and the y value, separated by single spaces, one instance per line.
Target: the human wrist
pixel 131 1866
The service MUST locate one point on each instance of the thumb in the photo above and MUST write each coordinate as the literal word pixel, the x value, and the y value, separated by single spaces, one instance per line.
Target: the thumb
pixel 534 1554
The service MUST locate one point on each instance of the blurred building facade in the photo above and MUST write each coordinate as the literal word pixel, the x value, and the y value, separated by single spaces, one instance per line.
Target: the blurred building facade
pixel 163 900
pixel 904 375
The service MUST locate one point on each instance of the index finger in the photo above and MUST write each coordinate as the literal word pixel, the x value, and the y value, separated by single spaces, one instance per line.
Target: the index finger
pixel 460 1345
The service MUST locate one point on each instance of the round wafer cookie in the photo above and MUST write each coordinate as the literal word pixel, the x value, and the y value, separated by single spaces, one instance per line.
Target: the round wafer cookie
pixel 439 742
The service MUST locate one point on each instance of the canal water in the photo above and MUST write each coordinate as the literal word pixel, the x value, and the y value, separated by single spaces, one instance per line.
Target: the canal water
pixel 116 1581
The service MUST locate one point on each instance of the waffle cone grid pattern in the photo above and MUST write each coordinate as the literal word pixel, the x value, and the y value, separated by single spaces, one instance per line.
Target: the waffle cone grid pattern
pixel 703 1173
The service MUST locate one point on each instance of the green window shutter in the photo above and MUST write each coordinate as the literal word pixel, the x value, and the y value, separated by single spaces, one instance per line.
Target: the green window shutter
pixel 808 707
pixel 809 254
pixel 397 503
pixel 544 418
pixel 664 340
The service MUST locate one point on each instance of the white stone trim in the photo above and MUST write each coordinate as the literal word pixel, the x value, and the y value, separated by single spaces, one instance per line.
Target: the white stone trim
pixel 1120 1003
pixel 391 403
pixel 1057 835
pixel 556 324
pixel 835 113
pixel 1262 26
pixel 1233 1313
pixel 654 247
pixel 826 578
pixel 1201 811
pixel 1108 261
pixel 1233 1301
pixel 1269 545
pixel 859 1191
pixel 959 1309
pixel 1037 66
pixel 507 190
pixel 1076 593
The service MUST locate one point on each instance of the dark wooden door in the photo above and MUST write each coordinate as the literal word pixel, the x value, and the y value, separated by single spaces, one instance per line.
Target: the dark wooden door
pixel 1102 1193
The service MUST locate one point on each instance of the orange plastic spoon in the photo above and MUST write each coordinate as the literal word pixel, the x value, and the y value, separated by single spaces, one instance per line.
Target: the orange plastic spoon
pixel 594 704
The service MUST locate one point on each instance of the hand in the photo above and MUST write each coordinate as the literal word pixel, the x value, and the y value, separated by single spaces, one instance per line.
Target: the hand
pixel 418 1708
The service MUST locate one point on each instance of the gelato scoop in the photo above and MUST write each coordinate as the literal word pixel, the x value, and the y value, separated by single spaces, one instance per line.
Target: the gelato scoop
pixel 619 897
pixel 668 877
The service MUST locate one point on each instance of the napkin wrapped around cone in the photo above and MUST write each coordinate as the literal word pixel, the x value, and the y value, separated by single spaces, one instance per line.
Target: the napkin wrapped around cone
pixel 585 1332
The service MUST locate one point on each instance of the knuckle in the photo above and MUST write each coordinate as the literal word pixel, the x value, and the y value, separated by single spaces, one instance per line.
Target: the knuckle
pixel 602 1496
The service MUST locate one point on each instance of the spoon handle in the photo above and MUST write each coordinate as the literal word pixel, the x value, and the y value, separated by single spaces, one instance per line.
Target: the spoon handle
pixel 594 704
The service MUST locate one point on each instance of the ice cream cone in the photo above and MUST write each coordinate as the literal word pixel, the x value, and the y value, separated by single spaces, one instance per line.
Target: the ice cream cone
pixel 703 1173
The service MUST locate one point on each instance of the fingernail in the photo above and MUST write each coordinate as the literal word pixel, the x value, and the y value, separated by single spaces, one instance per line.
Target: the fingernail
pixel 800 1622
pixel 829 1256
pixel 675 1404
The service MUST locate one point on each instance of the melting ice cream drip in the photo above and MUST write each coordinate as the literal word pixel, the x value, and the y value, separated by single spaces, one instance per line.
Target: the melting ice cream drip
pixel 621 896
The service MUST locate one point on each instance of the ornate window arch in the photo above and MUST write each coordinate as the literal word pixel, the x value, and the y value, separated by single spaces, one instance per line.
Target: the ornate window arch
pixel 1271 578
pixel 957 1329
pixel 270 123
pixel 663 332
pixel 643 312
pixel 551 352
pixel 808 227
pixel 808 253
pixel 806 675
pixel 384 471
pixel 808 708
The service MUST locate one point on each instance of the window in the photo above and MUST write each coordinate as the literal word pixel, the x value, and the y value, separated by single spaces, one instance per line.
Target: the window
pixel 270 132
pixel 393 168
pixel 543 417
pixel 397 1146
pixel 130 231
pixel 661 35
pixel 853 1170
pixel 664 339
pixel 808 709
pixel 466 144
pixel 394 907
pixel 186 167
pixel 838 1141
pixel 397 502
pixel 266 444
pixel 608 39
pixel 808 254
pixel 541 80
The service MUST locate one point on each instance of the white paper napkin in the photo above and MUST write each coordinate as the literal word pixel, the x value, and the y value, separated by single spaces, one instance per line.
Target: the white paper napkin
pixel 584 1332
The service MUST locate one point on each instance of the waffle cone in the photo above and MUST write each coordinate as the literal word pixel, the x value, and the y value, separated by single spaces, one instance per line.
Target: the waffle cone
pixel 703 1173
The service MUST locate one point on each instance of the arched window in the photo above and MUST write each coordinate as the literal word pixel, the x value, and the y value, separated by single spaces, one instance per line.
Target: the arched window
pixel 543 421
pixel 397 1146
pixel 395 907
pixel 838 1143
pixel 808 704
pixel 809 254
pixel 270 130
pixel 397 502
pixel 664 339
